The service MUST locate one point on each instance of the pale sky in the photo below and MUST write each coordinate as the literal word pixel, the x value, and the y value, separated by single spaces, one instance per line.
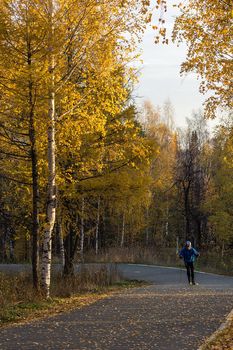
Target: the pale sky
pixel 160 75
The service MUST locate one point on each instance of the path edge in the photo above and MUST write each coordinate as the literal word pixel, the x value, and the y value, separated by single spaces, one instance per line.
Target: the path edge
pixel 223 326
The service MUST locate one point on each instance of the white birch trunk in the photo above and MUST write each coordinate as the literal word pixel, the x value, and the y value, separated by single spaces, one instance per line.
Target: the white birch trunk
pixel 123 231
pixel 97 228
pixel 82 228
pixel 51 201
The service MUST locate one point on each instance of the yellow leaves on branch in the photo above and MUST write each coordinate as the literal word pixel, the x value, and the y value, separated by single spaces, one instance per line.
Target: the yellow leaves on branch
pixel 206 27
pixel 93 44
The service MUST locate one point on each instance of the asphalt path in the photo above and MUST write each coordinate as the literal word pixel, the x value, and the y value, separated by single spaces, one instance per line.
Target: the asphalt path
pixel 174 276
pixel 167 315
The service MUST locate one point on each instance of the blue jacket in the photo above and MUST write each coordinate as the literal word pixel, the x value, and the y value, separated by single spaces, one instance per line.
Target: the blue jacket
pixel 189 255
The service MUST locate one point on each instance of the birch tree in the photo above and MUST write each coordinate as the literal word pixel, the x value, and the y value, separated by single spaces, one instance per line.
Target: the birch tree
pixel 64 87
pixel 51 199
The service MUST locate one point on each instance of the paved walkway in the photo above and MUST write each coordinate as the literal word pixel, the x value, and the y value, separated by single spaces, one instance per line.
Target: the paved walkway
pixel 168 315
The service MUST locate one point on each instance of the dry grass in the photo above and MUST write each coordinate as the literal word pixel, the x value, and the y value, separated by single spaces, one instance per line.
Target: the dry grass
pixel 88 279
pixel 16 288
pixel 210 261
pixel 134 255
pixel 19 301
pixel 222 341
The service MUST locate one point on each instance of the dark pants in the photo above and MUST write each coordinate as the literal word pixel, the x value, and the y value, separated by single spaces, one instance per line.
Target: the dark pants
pixel 190 271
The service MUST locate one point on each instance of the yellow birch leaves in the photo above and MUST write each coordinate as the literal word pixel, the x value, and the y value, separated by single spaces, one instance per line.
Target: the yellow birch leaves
pixel 206 27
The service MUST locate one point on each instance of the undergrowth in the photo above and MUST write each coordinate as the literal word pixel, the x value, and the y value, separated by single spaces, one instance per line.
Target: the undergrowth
pixel 19 301
pixel 209 261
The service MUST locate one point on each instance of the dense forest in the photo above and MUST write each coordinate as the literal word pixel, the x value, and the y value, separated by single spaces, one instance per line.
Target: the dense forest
pixel 82 168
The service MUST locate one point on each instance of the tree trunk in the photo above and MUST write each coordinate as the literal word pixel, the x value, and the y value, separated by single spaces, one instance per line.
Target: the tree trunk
pixel 34 171
pixel 51 201
pixel 123 231
pixel 89 242
pixel 147 236
pixel 147 228
pixel 35 195
pixel 186 210
pixel 35 217
pixel 12 250
pixel 61 244
pixel 223 249
pixel 199 233
pixel 68 243
pixel 177 245
pixel 167 221
pixel 97 228
pixel 67 247
pixel 71 244
pixel 26 249
pixel 103 228
pixel 82 228
pixel 4 240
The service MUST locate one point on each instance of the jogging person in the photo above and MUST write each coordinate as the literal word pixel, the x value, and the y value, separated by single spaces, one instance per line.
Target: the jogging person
pixel 189 254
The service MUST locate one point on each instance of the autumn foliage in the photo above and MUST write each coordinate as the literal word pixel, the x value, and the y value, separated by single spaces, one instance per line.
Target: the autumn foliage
pixel 83 169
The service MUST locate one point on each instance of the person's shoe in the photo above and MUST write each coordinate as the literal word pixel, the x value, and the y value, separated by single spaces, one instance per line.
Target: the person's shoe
pixel 195 283
pixel 190 283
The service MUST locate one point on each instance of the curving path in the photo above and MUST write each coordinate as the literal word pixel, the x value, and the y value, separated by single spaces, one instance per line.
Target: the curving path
pixel 167 315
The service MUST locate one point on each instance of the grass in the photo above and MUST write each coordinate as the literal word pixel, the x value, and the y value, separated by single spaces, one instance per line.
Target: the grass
pixel 135 255
pixel 213 262
pixel 210 261
pixel 20 303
